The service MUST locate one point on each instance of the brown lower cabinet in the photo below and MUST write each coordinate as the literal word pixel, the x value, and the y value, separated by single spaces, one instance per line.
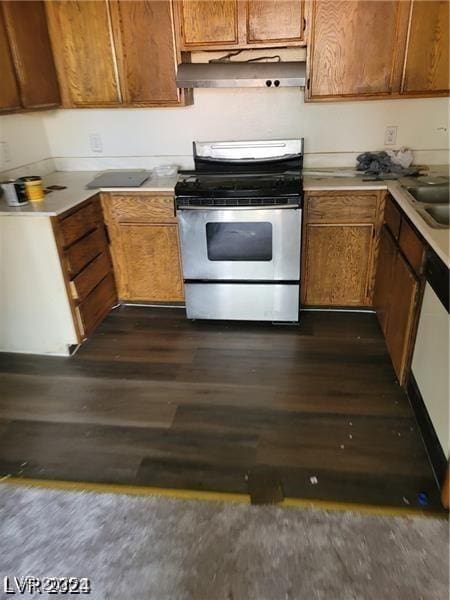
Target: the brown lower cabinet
pixel 341 232
pixel 144 244
pixel 86 264
pixel 398 288
pixel 446 489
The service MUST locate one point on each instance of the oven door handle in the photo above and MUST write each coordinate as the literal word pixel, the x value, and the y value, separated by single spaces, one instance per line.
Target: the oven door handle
pixel 259 207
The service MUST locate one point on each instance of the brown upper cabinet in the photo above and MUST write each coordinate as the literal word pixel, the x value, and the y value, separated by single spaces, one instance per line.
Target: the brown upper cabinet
pixel 85 57
pixel 9 90
pixel 368 50
pixel 146 51
pixel 114 53
pixel 223 24
pixel 27 69
pixel 427 55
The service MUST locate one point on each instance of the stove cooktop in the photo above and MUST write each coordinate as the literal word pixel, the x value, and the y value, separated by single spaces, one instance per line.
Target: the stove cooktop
pixel 280 186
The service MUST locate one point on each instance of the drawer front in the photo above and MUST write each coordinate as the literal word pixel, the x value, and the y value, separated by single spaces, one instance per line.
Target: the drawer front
pixel 412 246
pixel 90 276
pixel 85 250
pixel 392 217
pixel 145 208
pixel 345 208
pixel 79 223
pixel 97 304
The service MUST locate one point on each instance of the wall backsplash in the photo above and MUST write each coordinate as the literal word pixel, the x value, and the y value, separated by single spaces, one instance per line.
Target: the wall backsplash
pixel 334 132
pixel 23 141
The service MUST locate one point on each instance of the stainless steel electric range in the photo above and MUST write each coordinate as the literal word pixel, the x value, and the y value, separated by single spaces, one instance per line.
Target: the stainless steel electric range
pixel 240 215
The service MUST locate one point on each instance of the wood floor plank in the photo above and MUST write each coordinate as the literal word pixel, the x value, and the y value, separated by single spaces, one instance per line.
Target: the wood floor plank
pixel 155 399
pixel 51 399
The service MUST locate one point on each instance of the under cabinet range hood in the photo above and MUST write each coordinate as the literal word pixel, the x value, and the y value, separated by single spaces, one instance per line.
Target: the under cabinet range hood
pixel 234 74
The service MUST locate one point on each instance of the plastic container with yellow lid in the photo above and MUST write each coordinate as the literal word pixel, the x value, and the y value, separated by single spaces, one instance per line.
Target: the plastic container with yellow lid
pixel 33 188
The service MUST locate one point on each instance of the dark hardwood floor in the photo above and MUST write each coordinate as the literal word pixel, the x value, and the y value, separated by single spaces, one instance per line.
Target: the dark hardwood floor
pixel 154 399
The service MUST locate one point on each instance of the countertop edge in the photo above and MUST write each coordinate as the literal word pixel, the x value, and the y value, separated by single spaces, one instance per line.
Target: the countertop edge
pixel 438 239
pixel 428 233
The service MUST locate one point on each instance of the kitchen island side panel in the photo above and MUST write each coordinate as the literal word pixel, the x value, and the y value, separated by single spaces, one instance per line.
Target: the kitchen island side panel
pixel 35 314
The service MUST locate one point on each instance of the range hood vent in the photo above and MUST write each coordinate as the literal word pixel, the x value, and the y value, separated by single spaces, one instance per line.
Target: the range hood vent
pixel 233 74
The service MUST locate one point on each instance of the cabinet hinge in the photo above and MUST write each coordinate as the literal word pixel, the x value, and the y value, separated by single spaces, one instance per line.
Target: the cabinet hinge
pixel 304 23
pixel 307 83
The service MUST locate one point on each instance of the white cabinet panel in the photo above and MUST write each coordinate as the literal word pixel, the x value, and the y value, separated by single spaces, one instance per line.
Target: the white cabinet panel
pixel 35 315
pixel 430 364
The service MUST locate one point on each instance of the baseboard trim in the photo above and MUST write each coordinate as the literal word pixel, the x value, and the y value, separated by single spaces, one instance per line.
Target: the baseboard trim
pixel 433 447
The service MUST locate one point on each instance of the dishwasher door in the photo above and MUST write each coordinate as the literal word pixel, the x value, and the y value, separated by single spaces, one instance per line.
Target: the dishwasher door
pixel 430 365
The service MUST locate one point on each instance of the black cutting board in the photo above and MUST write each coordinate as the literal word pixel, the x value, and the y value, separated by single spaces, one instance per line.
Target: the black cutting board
pixel 119 179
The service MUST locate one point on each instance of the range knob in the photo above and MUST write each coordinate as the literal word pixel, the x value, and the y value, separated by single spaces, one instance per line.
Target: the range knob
pixel 269 82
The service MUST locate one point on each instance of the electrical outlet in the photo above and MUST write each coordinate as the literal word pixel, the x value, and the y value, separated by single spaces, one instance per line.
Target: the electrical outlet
pixel 5 154
pixel 390 135
pixel 95 141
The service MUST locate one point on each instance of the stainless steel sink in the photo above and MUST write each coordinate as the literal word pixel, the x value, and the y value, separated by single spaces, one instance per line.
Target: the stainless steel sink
pixel 440 214
pixel 432 203
pixel 437 194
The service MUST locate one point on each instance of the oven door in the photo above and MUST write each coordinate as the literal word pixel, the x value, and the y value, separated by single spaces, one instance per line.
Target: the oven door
pixel 240 244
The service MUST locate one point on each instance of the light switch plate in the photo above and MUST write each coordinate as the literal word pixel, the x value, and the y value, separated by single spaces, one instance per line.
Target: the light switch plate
pixel 390 135
pixel 95 141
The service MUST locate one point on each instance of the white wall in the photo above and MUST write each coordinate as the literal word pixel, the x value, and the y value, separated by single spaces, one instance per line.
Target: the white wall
pixel 23 140
pixel 334 132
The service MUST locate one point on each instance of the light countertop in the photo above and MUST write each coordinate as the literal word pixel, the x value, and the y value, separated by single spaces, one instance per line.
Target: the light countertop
pixel 58 202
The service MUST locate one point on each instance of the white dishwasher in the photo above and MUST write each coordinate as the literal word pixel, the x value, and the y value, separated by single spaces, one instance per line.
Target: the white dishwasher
pixel 430 365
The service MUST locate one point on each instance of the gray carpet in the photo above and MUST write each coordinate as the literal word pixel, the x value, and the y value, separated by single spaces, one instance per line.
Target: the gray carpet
pixel 141 548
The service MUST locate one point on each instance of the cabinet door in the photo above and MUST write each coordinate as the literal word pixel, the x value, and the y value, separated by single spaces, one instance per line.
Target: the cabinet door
pixel 274 21
pixel 30 44
pixel 337 264
pixel 401 315
pixel 83 46
pixel 383 282
pixel 150 263
pixel 146 50
pixel 427 54
pixel 9 90
pixel 206 23
pixel 356 47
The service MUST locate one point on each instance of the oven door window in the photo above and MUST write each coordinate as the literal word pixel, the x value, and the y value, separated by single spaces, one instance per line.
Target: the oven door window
pixel 247 241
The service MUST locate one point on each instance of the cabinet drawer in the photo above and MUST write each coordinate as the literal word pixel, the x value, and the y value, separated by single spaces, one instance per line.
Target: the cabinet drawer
pixel 90 276
pixel 97 304
pixel 345 208
pixel 144 208
pixel 79 223
pixel 83 251
pixel 411 246
pixel 392 217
